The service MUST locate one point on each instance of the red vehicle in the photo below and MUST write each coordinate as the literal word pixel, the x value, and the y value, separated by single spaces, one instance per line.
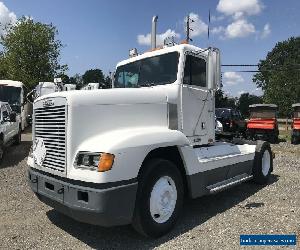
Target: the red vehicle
pixel 295 138
pixel 263 122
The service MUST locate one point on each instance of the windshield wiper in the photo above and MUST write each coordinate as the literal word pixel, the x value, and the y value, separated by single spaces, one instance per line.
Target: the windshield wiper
pixel 147 84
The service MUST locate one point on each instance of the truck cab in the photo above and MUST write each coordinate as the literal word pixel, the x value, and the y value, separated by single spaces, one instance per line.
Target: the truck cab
pixel 295 136
pixel 14 92
pixel 129 155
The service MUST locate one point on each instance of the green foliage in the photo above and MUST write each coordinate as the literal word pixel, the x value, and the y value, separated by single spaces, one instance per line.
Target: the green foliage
pixel 279 75
pixel 245 100
pixel 223 101
pixel 31 53
pixel 93 75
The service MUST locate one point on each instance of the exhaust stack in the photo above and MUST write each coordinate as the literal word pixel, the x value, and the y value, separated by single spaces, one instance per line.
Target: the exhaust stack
pixel 153 32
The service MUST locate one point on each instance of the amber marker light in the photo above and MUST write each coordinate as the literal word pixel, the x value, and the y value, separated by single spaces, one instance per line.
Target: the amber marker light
pixel 105 162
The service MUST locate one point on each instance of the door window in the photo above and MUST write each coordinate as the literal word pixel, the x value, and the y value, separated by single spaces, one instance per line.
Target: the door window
pixel 195 71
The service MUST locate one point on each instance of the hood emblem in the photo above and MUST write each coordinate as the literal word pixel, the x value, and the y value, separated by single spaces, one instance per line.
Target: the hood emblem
pixel 48 103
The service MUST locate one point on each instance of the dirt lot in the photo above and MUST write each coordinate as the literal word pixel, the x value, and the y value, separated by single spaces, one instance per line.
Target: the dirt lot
pixel 212 222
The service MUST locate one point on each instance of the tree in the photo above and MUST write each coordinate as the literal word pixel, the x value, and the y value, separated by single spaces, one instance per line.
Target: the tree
pixel 279 75
pixel 245 100
pixel 224 101
pixel 31 52
pixel 93 75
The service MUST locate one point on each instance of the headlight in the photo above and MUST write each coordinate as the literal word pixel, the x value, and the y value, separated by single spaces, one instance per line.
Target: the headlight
pixel 94 161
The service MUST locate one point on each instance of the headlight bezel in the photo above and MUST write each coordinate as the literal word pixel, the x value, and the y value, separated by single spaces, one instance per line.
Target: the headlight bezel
pixel 94 161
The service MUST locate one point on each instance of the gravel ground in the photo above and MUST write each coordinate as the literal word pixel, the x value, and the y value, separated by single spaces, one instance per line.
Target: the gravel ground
pixel 211 222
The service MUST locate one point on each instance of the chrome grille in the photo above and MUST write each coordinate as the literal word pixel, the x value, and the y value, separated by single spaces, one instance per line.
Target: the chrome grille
pixel 50 125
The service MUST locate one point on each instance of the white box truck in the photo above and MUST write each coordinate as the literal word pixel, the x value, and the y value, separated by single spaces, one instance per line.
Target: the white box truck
pixel 131 153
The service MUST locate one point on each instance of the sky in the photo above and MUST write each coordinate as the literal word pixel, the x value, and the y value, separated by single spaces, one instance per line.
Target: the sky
pixel 99 34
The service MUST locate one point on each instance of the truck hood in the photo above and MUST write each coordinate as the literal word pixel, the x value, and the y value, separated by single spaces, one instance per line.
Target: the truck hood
pixel 111 96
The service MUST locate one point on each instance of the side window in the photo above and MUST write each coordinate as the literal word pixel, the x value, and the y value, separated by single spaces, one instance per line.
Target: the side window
pixel 5 114
pixel 8 109
pixel 195 71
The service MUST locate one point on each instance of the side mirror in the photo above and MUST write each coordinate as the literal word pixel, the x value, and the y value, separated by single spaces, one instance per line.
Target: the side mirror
pixel 214 69
pixel 12 117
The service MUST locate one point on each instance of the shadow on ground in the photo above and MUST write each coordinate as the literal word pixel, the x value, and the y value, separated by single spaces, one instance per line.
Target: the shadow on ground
pixel 13 155
pixel 195 213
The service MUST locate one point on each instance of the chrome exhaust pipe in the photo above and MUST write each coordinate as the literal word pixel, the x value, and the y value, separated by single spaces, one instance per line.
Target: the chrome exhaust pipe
pixel 153 32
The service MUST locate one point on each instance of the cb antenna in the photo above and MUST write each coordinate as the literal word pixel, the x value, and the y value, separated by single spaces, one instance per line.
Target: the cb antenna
pixel 208 27
pixel 188 29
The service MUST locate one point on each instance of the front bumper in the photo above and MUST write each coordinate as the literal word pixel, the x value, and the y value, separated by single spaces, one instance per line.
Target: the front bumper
pixel 106 204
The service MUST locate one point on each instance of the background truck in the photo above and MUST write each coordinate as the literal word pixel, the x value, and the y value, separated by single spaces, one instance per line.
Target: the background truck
pixel 10 127
pixel 263 122
pixel 295 136
pixel 14 93
pixel 233 123
pixel 130 154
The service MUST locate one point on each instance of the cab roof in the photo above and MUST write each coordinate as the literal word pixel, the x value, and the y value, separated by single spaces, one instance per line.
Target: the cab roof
pixel 159 51
pixel 296 105
pixel 264 105
pixel 11 83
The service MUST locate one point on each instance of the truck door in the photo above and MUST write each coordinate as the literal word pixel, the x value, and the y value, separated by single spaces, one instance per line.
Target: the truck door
pixel 197 101
pixel 7 124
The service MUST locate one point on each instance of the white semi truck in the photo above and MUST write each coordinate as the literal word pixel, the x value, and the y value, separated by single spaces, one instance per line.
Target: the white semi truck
pixel 130 154
pixel 14 93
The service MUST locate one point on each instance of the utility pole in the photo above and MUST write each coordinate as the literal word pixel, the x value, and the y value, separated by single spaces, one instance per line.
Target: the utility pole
pixel 188 29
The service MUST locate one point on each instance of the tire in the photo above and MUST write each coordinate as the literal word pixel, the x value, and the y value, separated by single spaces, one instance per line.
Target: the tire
pixel 17 138
pixel 160 180
pixel 293 140
pixel 263 163
pixel 1 150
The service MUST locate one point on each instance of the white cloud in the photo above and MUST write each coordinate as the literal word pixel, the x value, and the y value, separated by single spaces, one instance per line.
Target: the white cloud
pixel 6 18
pixel 217 18
pixel 198 26
pixel 232 78
pixel 232 7
pixel 146 39
pixel 266 31
pixel 217 30
pixel 239 28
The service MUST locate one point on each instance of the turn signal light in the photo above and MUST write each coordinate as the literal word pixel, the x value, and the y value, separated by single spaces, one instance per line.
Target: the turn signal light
pixel 106 161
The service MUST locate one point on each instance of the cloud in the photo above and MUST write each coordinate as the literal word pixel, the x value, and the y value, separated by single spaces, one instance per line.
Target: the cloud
pixel 217 30
pixel 6 18
pixel 198 26
pixel 232 78
pixel 240 7
pixel 239 28
pixel 146 39
pixel 217 18
pixel 266 31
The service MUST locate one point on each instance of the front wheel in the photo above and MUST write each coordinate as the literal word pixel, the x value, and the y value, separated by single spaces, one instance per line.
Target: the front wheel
pixel 17 139
pixel 1 150
pixel 263 163
pixel 159 198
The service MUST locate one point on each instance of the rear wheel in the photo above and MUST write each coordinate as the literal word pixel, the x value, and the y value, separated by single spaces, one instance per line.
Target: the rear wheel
pixel 1 150
pixel 17 139
pixel 159 198
pixel 293 139
pixel 263 163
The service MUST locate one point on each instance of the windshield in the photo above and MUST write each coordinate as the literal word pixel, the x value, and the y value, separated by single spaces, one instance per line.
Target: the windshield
pixel 12 95
pixel 264 114
pixel 222 113
pixel 156 70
